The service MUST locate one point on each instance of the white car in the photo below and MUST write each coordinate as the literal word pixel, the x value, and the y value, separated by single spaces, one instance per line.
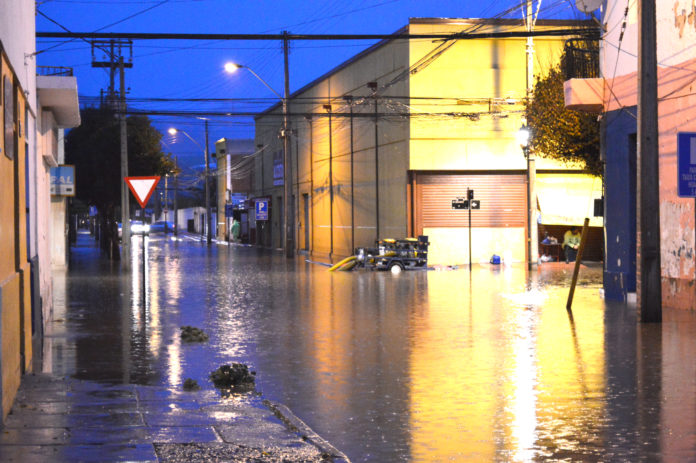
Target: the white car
pixel 137 228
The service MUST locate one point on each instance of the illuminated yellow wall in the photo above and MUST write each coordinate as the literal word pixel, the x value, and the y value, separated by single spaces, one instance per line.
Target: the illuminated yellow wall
pixel 15 296
pixel 450 246
pixel 566 199
pixel 321 152
pixel 473 76
pixel 484 76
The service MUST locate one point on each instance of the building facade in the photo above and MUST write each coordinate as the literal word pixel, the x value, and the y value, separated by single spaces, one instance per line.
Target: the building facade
pixel 614 96
pixel 383 144
pixel 235 163
pixel 32 110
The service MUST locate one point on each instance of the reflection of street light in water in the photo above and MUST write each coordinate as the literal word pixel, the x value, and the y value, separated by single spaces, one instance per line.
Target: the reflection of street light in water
pixel 524 376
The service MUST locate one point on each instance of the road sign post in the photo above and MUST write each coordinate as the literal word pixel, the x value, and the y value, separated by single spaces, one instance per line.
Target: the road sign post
pixel 469 203
pixel 142 188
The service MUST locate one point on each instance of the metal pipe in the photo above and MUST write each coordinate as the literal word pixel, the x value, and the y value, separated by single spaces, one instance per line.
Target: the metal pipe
pixel 352 178
pixel 331 193
pixel 376 165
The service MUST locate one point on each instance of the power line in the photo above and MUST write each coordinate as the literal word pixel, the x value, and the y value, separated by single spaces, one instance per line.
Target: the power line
pixel 577 31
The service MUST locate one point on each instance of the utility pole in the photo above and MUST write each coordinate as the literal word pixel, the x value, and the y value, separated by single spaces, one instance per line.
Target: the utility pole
pixel 289 222
pixel 532 233
pixel 125 204
pixel 208 220
pixel 649 288
pixel 112 73
pixel 111 48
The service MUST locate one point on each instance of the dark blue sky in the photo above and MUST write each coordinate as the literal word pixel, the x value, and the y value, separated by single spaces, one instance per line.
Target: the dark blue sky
pixel 181 69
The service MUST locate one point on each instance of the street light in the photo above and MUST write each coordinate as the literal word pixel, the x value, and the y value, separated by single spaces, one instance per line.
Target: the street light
pixel 284 133
pixel 523 135
pixel 232 68
pixel 174 131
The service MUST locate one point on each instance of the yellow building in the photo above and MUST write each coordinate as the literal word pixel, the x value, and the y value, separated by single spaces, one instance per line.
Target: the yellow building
pixel 382 145
pixel 35 104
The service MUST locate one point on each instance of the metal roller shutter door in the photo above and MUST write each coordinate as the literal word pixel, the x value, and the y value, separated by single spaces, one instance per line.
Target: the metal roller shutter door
pixel 503 200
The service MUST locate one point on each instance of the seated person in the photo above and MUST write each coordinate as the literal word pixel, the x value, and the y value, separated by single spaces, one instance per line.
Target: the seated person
pixel 571 242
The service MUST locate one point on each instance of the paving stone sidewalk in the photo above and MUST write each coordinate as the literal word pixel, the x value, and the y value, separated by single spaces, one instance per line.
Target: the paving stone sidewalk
pixel 66 420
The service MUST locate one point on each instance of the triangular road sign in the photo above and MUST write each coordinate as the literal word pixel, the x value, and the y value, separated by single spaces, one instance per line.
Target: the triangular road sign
pixel 142 188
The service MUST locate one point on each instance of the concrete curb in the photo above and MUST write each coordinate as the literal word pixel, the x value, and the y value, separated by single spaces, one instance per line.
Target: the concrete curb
pixel 307 434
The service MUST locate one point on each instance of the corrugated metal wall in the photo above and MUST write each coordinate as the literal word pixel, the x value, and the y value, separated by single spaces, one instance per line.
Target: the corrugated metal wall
pixel 502 196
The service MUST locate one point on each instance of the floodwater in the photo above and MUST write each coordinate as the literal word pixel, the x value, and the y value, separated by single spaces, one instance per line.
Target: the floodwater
pixel 424 366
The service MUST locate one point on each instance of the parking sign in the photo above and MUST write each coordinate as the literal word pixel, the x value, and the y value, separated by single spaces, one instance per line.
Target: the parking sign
pixel 261 209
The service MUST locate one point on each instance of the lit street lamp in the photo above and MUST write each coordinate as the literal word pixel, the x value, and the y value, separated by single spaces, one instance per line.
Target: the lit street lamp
pixel 287 177
pixel 523 135
pixel 232 68
pixel 174 131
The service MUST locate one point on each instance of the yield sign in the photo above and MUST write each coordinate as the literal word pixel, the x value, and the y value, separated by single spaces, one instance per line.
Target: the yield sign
pixel 142 188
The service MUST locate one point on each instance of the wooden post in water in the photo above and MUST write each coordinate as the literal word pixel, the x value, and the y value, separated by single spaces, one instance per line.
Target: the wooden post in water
pixel 578 259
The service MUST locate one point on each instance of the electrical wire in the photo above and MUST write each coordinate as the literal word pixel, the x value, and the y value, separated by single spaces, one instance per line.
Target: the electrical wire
pixel 162 2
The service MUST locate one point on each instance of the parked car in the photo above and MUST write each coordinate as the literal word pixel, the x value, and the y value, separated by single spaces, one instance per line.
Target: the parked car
pixel 162 227
pixel 137 228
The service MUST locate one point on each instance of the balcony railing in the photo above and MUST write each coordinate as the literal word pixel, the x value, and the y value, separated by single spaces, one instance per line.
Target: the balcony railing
pixel 53 71
pixel 581 59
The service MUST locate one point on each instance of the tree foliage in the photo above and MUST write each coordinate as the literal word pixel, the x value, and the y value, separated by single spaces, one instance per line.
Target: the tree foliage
pixel 558 132
pixel 95 149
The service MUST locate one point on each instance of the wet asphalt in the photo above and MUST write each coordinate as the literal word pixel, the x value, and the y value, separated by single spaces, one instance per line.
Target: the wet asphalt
pixel 450 364
pixel 63 418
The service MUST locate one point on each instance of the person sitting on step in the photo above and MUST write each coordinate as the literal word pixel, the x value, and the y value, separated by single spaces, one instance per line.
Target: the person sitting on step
pixel 571 243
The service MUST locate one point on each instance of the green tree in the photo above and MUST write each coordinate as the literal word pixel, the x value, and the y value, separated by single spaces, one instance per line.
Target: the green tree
pixel 558 132
pixel 95 149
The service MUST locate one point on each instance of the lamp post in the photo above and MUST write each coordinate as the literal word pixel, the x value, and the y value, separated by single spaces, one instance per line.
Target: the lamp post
pixel 523 139
pixel 174 131
pixel 288 222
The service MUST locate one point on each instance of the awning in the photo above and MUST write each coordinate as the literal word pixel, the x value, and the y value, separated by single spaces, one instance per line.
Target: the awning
pixel 566 199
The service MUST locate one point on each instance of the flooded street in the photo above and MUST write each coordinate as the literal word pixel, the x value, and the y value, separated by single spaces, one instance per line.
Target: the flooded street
pixel 423 366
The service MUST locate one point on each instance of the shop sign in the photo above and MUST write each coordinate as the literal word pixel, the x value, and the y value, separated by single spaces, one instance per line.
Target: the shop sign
pixel 63 180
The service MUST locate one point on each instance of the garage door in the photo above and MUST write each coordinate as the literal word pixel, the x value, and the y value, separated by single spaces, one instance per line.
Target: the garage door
pixel 502 196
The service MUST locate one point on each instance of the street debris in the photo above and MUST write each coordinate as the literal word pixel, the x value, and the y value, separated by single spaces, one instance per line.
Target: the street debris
pixel 191 385
pixel 231 376
pixel 193 334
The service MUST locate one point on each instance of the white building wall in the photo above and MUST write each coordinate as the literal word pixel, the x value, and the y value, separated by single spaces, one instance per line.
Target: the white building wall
pixel 59 225
pixel 45 156
pixel 18 35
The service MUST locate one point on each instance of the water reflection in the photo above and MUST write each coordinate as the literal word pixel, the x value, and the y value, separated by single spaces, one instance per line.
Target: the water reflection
pixel 423 366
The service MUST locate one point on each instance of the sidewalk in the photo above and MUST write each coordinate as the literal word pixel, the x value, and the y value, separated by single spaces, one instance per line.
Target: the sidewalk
pixel 63 419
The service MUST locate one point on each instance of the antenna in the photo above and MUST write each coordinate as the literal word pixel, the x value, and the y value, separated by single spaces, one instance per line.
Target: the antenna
pixel 588 6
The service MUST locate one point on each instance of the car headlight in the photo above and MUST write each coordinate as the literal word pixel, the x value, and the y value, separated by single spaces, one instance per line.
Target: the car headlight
pixel 146 228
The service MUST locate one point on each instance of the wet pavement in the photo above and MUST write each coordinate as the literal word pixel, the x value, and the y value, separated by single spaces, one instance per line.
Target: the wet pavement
pixel 441 365
pixel 60 419
pixel 106 418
